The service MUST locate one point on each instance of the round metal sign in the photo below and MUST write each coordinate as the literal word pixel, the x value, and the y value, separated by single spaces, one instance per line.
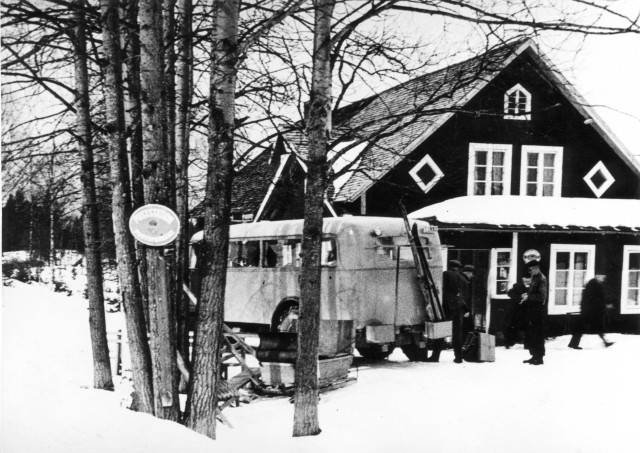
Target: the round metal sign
pixel 530 255
pixel 154 225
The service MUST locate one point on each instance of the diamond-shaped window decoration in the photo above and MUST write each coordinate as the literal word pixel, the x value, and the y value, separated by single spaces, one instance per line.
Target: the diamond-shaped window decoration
pixel 426 173
pixel 599 179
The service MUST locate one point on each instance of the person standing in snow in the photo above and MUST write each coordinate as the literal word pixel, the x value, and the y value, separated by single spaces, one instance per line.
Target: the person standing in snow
pixel 454 290
pixel 468 273
pixel 593 311
pixel 535 304
pixel 512 319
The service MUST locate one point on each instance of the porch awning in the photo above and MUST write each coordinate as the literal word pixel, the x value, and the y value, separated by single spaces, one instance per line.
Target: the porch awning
pixel 540 213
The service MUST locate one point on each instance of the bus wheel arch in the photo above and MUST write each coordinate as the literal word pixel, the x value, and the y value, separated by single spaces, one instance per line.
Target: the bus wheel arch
pixel 373 351
pixel 282 311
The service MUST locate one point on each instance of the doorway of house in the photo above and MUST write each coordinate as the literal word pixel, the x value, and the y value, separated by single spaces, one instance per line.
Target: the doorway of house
pixel 481 303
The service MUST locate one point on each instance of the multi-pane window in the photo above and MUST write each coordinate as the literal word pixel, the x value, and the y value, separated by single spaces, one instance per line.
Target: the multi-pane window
pixel 572 266
pixel 630 300
pixel 502 273
pixel 517 104
pixel 541 171
pixel 489 169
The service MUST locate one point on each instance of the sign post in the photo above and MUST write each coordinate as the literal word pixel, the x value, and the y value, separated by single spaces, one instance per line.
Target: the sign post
pixel 154 225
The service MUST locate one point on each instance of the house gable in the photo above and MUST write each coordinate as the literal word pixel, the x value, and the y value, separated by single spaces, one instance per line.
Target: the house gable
pixel 557 129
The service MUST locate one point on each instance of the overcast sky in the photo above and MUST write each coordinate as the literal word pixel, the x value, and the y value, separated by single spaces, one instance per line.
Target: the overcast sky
pixel 607 73
pixel 605 70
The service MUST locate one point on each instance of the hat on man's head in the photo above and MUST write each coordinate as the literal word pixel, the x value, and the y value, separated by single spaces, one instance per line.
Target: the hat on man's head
pixel 469 268
pixel 453 263
pixel 532 263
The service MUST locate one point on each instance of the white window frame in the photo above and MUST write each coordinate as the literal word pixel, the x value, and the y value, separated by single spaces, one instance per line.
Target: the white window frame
pixel 490 148
pixel 590 249
pixel 426 160
pixel 526 115
pixel 624 308
pixel 557 175
pixel 609 179
pixel 493 274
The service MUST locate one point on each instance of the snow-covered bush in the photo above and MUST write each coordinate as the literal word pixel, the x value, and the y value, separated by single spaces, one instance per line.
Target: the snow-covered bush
pixel 20 269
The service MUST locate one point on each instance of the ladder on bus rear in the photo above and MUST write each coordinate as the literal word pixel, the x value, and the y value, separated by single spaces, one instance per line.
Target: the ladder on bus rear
pixel 433 306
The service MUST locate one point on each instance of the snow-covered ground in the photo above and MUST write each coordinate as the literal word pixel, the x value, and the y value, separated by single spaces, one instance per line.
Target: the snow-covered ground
pixel 579 401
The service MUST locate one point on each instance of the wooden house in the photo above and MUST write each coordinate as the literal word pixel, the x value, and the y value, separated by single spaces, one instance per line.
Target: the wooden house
pixel 502 154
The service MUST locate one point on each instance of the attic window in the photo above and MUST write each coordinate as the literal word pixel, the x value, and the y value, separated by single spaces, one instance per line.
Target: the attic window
pixel 599 179
pixel 426 173
pixel 517 104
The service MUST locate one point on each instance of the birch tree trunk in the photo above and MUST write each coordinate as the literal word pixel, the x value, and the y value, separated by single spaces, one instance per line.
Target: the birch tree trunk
pixel 183 103
pixel 102 377
pixel 202 401
pixel 162 328
pixel 305 420
pixel 121 206
pixel 50 207
pixel 131 39
pixel 169 37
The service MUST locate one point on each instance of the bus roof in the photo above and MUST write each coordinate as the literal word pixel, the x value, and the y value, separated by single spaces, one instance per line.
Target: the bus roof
pixel 388 226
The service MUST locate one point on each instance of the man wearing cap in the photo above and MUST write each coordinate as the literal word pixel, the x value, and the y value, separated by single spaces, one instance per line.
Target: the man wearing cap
pixel 454 290
pixel 535 304
pixel 468 273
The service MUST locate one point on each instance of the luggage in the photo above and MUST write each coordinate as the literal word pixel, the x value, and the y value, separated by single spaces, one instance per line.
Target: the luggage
pixel 471 347
pixel 479 347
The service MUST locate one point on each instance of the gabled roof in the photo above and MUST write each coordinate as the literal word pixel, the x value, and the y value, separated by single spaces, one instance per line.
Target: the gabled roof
pixel 399 119
pixel 250 184
pixel 392 124
pixel 522 212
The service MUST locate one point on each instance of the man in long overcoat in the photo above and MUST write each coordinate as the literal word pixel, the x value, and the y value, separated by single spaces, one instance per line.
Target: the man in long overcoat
pixel 593 311
pixel 454 291
pixel 535 304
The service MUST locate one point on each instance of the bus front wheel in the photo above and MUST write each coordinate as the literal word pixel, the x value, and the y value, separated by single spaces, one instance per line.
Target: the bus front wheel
pixel 376 351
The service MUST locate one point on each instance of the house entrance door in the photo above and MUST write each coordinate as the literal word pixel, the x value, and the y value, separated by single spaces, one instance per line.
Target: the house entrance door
pixel 481 303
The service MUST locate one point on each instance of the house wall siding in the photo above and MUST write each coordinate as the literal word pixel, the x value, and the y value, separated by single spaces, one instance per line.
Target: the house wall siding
pixel 608 261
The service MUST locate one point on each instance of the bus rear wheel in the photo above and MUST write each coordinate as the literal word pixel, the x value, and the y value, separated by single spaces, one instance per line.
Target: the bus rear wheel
pixel 415 353
pixel 281 321
pixel 376 351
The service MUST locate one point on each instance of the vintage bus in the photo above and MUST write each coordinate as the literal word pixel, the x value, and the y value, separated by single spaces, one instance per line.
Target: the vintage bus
pixel 368 277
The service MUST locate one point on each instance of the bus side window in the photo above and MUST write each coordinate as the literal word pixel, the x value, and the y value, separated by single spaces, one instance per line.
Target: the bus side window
pixel 328 255
pixel 291 249
pixel 271 251
pixel 235 255
pixel 244 254
pixel 252 253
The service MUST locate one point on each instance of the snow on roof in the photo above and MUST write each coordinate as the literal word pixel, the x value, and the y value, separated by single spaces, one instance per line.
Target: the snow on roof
pixel 530 211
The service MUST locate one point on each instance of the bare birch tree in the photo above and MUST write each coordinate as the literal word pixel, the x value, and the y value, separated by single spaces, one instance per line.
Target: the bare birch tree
pixel 183 118
pixel 102 377
pixel 305 422
pixel 156 160
pixel 121 204
pixel 202 399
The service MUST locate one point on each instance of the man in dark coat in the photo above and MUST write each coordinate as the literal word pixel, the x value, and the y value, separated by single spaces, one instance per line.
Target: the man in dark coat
pixel 512 319
pixel 535 304
pixel 468 273
pixel 593 311
pixel 454 291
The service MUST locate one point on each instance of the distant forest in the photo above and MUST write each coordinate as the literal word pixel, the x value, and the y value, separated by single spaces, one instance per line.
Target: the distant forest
pixel 27 225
